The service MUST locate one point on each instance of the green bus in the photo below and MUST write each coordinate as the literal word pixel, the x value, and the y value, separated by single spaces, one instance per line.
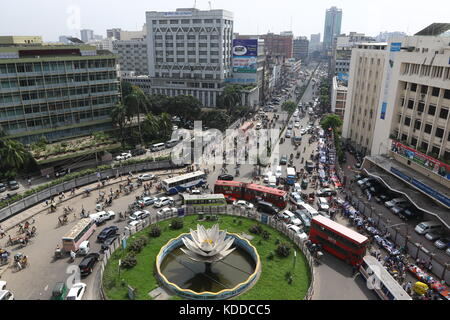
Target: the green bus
pixel 204 203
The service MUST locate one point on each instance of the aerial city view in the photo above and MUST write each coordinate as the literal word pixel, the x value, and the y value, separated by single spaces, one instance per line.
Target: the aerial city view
pixel 221 150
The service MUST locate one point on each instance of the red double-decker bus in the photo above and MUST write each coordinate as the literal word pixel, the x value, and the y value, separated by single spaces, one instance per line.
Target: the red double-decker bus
pixel 340 241
pixel 251 192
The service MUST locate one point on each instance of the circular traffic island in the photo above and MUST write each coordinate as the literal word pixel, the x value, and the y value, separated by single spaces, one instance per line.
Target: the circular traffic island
pixel 242 259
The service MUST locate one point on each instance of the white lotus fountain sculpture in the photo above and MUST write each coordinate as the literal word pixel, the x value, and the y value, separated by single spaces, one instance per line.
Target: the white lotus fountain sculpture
pixel 207 245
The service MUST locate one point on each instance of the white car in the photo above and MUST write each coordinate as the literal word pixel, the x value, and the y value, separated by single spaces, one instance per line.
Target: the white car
pixel 133 224
pixel 164 211
pixel 77 291
pixel 297 124
pixel 297 188
pixel 163 201
pixel 295 197
pixel 258 126
pixel 196 191
pixel 102 216
pixel 302 132
pixel 124 156
pixel 146 177
pixel 243 204
pixel 2 285
pixel 140 215
pixel 6 295
pixel 147 201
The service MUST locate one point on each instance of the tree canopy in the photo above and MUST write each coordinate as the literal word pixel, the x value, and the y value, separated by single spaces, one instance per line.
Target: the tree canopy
pixel 332 121
pixel 289 106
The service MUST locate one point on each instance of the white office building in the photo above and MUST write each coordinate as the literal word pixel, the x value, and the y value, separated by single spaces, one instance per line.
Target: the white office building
pixel 190 52
pixel 132 55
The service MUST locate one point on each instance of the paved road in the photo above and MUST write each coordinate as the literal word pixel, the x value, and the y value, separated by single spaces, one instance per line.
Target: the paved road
pixel 36 282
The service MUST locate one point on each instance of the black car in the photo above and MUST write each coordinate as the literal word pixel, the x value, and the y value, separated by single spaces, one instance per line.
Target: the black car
pixel 326 193
pixel 411 214
pixel 138 152
pixel 107 233
pixel 61 172
pixel 225 177
pixel 108 242
pixel 382 198
pixel 283 160
pixel 2 187
pixel 266 207
pixel 13 185
pixel 87 264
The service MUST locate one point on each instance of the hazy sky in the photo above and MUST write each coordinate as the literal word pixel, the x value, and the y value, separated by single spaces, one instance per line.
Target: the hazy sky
pixel 52 18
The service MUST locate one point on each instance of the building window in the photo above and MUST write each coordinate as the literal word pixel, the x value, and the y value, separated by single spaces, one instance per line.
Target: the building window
pixel 424 146
pixel 414 142
pixel 428 128
pixel 407 121
pixel 431 110
pixel 435 92
pixel 443 114
pixel 421 107
pixel 424 90
pixel 413 87
pixel 435 151
pixel 417 124
pixel 447 94
pixel 439 133
pixel 410 104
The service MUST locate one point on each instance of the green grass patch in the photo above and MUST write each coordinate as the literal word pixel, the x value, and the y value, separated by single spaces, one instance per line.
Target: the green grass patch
pixel 272 284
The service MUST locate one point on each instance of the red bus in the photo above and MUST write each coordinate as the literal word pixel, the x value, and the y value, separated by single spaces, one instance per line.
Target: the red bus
pixel 250 192
pixel 247 126
pixel 340 241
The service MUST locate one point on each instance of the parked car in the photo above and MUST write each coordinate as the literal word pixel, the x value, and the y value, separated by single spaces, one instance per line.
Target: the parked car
pixel 364 181
pixel 163 201
pixel 166 210
pixel 124 156
pixel 225 177
pixel 138 152
pixel 107 233
pixel 77 291
pixel 147 201
pixel 443 243
pixel 140 215
pixel 87 264
pixel 2 187
pixel 6 295
pixel 59 291
pixel 411 213
pixel 243 204
pixel 434 235
pixel 394 202
pixel 401 207
pixel 146 177
pixel 288 134
pixel 13 185
pixel 309 166
pixel 326 193
pixel 427 226
pixel 133 224
pixel 384 197
pixel 107 243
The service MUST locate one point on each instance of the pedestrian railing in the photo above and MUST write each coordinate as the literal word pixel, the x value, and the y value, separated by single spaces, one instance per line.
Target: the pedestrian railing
pixel 231 211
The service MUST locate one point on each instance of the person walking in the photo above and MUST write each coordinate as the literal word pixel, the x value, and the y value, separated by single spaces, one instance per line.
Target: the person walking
pixel 2 233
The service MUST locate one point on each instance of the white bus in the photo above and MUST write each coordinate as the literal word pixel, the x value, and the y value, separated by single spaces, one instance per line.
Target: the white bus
pixel 386 287
pixel 205 203
pixel 181 183
pixel 78 234
pixel 158 147
pixel 291 176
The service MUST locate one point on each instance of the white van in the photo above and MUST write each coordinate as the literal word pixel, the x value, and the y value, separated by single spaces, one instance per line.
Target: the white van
pixel 289 216
pixel 278 172
pixel 258 126
pixel 157 147
pixel 427 226
pixel 272 181
pixel 267 175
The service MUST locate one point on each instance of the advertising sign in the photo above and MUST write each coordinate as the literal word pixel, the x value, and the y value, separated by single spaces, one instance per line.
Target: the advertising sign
pixel 428 162
pixel 245 47
pixel 342 76
pixel 245 64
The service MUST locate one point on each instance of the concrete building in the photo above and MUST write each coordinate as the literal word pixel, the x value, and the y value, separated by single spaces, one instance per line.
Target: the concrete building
pixel 333 21
pixel 113 33
pixel 315 43
pixel 105 44
pixel 55 91
pixel 366 79
pixel 385 36
pixel 338 97
pixel 190 52
pixel 278 46
pixel 87 35
pixel 19 40
pixel 301 48
pixel 133 35
pixel 132 55
pixel 64 39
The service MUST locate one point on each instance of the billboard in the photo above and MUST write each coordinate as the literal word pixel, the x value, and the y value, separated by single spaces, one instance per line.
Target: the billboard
pixel 245 55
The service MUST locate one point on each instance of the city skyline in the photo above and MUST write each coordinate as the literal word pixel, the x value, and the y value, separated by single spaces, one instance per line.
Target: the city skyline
pixel 368 18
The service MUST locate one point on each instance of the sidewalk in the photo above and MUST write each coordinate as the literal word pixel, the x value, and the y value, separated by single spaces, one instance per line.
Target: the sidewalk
pixel 40 208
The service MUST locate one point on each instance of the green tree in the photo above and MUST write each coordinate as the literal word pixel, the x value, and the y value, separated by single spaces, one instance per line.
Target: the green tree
pixel 119 117
pixel 136 103
pixel 150 127
pixel 185 107
pixel 289 106
pixel 165 124
pixel 332 121
pixel 231 97
pixel 216 118
pixel 127 88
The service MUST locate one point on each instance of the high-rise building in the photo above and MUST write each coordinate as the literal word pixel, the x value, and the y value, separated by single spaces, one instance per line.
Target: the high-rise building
pixel 385 36
pixel 364 93
pixel 113 33
pixel 279 46
pixel 333 21
pixel 190 52
pixel 55 91
pixel 87 35
pixel 301 48
pixel 132 55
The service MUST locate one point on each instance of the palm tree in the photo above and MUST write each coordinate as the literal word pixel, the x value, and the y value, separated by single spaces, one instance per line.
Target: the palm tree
pixel 119 115
pixel 136 102
pixel 165 124
pixel 151 125
pixel 231 97
pixel 13 154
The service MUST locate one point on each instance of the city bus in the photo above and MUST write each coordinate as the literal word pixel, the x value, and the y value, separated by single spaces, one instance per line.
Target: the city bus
pixel 311 210
pixel 157 147
pixel 205 203
pixel 252 192
pixel 181 183
pixel 386 287
pixel 246 126
pixel 338 240
pixel 291 176
pixel 79 233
